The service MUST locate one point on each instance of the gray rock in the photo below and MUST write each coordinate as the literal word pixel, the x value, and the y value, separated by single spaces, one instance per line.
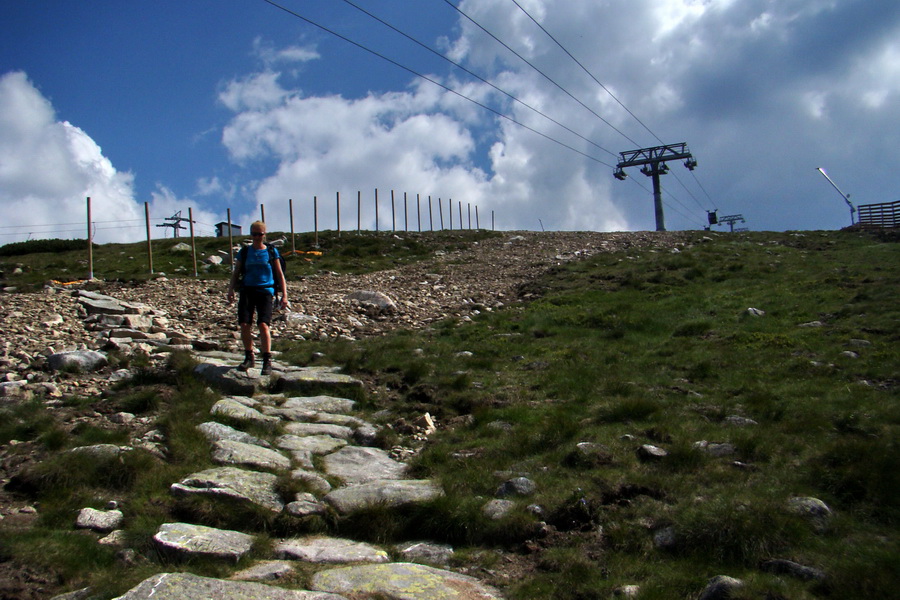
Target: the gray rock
pixel 82 594
pixel 426 553
pixel 266 570
pixel 201 541
pixel 589 455
pixel 232 409
pixel 186 586
pixel 665 539
pixel 306 505
pixel 229 452
pixel 335 431
pixel 497 509
pixel 329 550
pixel 315 444
pixel 102 521
pixel 374 303
pixel 312 480
pixel 518 486
pixel 786 567
pixel 357 464
pixel 326 404
pixel 720 587
pixel 716 449
pixel 648 452
pixel 83 361
pixel 738 421
pixel 215 432
pixel 101 451
pixel 386 493
pixel 233 484
pixel 403 581
pixel 311 380
pixel 228 379
pixel 814 510
pixel 627 591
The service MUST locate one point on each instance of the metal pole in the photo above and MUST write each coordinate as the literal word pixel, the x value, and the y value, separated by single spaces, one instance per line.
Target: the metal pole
pixel 376 210
pixel 405 214
pixel 262 213
pixel 657 199
pixel 418 213
pixel 393 214
pixel 339 214
pixel 316 219
pixel 358 211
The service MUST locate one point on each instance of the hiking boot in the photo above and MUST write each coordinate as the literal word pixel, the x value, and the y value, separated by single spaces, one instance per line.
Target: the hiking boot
pixel 248 363
pixel 267 365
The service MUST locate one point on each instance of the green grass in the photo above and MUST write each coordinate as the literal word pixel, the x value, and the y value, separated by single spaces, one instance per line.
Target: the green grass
pixel 623 349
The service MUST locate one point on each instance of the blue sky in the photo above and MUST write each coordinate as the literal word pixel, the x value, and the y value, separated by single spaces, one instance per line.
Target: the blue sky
pixel 230 104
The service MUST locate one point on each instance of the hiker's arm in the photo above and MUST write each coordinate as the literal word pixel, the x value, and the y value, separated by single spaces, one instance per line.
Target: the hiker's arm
pixel 235 275
pixel 279 279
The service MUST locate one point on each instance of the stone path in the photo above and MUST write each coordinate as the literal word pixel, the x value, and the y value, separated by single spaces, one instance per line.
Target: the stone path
pixel 319 441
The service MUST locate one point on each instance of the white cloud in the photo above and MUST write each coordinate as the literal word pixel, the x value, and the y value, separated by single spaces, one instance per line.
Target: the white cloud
pixel 47 170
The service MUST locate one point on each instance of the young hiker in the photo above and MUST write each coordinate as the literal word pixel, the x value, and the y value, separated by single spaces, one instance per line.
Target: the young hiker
pixel 262 274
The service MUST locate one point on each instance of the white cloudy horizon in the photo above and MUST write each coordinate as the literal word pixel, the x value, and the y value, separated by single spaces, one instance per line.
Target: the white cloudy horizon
pixel 762 93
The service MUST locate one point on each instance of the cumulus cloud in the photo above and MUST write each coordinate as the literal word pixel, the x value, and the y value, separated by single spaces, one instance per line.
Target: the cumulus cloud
pixel 47 170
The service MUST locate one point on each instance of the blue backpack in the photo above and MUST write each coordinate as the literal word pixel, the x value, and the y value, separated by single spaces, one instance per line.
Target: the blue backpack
pixel 242 257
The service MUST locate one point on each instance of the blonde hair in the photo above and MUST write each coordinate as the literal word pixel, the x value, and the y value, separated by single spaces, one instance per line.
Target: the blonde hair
pixel 261 225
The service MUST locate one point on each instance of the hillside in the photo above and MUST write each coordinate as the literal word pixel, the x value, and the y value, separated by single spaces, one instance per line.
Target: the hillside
pixel 666 429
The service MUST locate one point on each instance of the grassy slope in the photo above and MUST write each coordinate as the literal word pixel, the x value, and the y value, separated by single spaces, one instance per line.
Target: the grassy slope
pixel 621 350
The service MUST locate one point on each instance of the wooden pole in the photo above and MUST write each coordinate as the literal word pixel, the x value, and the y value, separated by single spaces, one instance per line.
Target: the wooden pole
pixel 393 214
pixel 469 211
pixel 90 241
pixel 230 240
pixel 492 220
pixel 376 210
pixel 358 211
pixel 441 212
pixel 316 219
pixel 193 245
pixel 405 214
pixel 450 211
pixel 149 247
pixel 291 213
pixel 430 217
pixel 262 213
pixel 477 223
pixel 339 214
pixel 460 214
pixel 419 213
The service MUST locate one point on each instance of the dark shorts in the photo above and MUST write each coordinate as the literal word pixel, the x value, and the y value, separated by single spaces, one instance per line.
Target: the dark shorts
pixel 258 300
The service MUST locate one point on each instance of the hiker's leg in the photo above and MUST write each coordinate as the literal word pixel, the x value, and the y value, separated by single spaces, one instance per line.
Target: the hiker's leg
pixel 247 336
pixel 265 338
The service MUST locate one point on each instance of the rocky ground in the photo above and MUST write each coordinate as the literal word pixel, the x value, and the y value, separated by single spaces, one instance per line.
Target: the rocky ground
pixel 194 314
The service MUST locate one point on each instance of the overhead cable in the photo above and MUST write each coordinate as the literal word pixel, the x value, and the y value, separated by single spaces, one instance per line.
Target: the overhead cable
pixel 437 83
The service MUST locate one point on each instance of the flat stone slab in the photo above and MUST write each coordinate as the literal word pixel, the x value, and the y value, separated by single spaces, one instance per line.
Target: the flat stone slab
pixel 358 464
pixel 215 432
pixel 228 379
pixel 316 444
pixel 403 581
pixel 228 452
pixel 233 484
pixel 329 550
pixel 186 586
pixel 328 404
pixel 388 493
pixel 266 570
pixel 199 540
pixel 313 379
pixel 232 409
pixel 336 431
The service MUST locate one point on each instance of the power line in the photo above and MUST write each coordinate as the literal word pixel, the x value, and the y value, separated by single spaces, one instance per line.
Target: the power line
pixel 547 77
pixel 613 96
pixel 437 83
pixel 583 68
pixel 478 77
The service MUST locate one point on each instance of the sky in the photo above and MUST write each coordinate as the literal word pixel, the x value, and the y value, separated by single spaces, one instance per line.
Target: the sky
pixel 512 112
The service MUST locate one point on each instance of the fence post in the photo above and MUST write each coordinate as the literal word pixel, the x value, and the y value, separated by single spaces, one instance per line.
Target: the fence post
pixel 419 213
pixel 477 223
pixel 450 211
pixel 316 219
pixel 149 247
pixel 405 214
pixel 460 214
pixel 90 241
pixel 291 213
pixel 430 216
pixel 193 245
pixel 441 212
pixel 376 210
pixel 262 213
pixel 393 214
pixel 339 214
pixel 230 240
pixel 358 212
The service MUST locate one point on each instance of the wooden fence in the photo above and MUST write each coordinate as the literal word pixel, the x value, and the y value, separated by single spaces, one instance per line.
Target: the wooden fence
pixel 884 216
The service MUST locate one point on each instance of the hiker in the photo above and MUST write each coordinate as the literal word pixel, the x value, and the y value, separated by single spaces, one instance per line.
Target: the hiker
pixel 258 273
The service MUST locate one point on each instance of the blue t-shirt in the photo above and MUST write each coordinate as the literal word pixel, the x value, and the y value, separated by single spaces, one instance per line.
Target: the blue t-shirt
pixel 258 272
